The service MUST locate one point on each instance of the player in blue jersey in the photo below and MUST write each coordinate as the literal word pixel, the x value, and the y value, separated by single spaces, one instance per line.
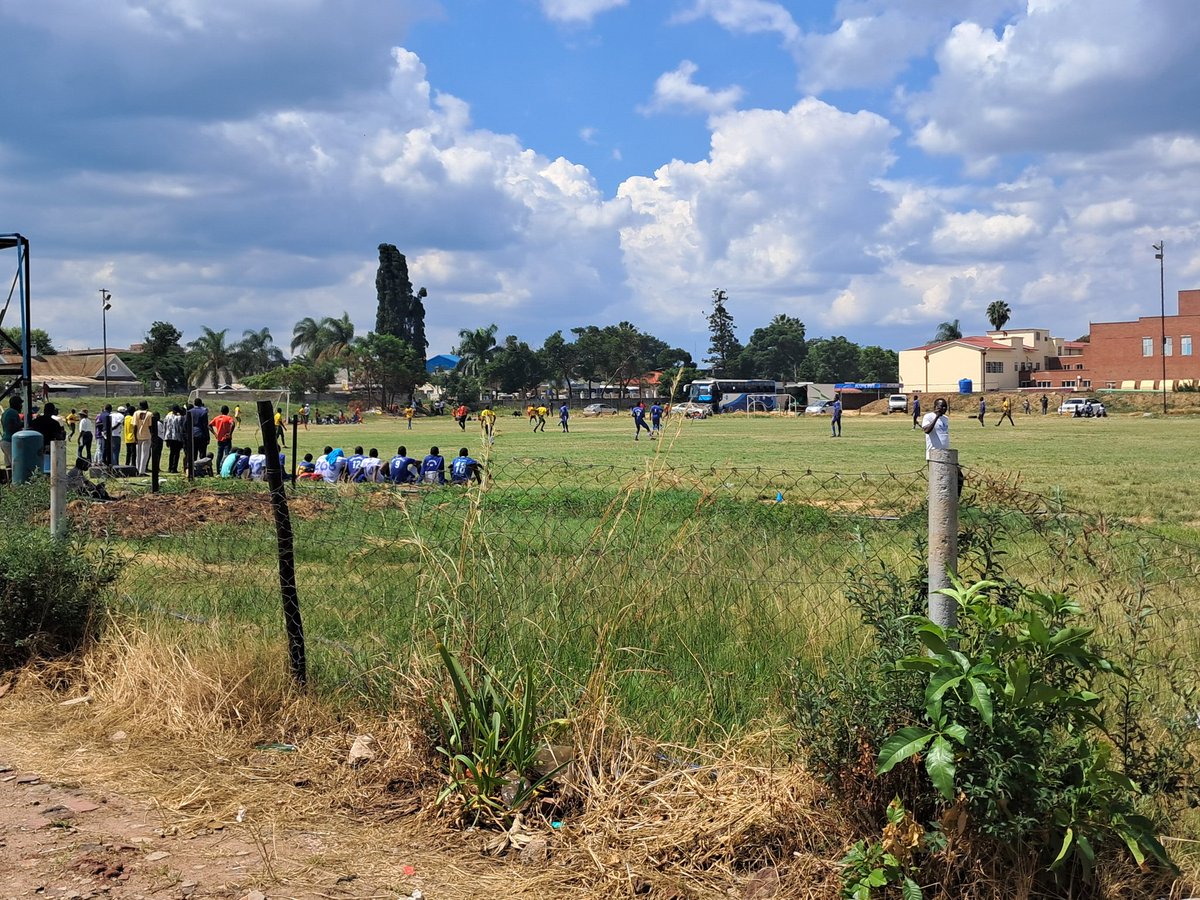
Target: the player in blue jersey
pixel 835 424
pixel 656 413
pixel 403 469
pixel 463 469
pixel 564 418
pixel 433 468
pixel 354 465
pixel 639 420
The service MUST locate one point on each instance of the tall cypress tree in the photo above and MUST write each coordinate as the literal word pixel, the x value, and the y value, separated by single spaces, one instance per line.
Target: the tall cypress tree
pixel 724 347
pixel 400 312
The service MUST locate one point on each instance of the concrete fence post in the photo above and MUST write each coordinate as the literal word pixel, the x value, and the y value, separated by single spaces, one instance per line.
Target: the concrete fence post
pixel 58 488
pixel 943 534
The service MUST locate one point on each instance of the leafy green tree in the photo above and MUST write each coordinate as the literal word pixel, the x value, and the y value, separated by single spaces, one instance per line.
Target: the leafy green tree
pixel 400 312
pixel 876 364
pixel 515 367
pixel 162 358
pixel 210 357
pixel 831 360
pixel 300 378
pixel 559 360
pixel 386 367
pixel 306 337
pixel 947 331
pixel 39 340
pixel 998 313
pixel 776 350
pixel 724 347
pixel 616 354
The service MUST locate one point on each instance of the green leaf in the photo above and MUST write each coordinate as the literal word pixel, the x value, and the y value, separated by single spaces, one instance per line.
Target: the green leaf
pixel 1038 631
pixel 1018 681
pixel 900 746
pixel 1068 839
pixel 933 637
pixel 939 763
pixel 956 731
pixel 940 683
pixel 981 699
pixel 910 890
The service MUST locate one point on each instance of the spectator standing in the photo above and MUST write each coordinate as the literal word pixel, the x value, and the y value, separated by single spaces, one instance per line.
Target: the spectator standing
pixel 173 426
pixel 200 430
pixel 48 426
pixel 114 433
pixel 143 432
pixel 10 424
pixel 1045 403
pixel 129 435
pixel 916 411
pixel 223 427
pixel 86 430
pixel 835 424
pixel 982 411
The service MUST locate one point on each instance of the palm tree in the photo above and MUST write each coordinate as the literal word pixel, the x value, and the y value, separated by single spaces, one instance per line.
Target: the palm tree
pixel 947 331
pixel 326 340
pixel 256 352
pixel 476 347
pixel 336 339
pixel 306 336
pixel 210 357
pixel 998 313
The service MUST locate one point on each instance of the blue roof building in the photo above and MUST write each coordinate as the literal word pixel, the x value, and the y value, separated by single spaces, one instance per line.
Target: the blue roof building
pixel 443 361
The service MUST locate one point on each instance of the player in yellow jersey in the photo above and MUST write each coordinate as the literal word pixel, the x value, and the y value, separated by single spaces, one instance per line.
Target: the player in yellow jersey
pixel 487 421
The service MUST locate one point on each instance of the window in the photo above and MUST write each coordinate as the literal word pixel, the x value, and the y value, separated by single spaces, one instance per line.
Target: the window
pixel 1085 384
pixel 994 368
pixel 1185 345
pixel 1147 346
pixel 1068 384
pixel 1168 346
pixel 1043 384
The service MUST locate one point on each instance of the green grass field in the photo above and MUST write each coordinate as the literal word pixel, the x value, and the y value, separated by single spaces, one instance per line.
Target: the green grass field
pixel 1125 466
pixel 667 564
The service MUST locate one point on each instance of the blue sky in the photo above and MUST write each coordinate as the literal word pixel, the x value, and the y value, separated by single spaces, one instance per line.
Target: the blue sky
pixel 872 167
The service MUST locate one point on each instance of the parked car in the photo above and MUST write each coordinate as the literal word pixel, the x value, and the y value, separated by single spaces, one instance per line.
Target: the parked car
pixel 691 410
pixel 599 409
pixel 1068 406
pixel 898 403
pixel 819 408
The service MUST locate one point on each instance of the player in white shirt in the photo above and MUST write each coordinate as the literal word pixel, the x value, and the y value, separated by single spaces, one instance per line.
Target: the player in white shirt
pixel 258 464
pixel 372 467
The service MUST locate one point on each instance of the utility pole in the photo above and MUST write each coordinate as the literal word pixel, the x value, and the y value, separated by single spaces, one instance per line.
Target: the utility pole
pixel 1162 318
pixel 105 306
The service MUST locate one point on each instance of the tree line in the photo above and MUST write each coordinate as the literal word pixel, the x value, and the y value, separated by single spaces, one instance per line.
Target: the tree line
pixel 389 362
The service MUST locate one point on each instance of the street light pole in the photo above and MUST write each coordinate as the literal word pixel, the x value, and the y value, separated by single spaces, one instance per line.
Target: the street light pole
pixel 1162 318
pixel 105 306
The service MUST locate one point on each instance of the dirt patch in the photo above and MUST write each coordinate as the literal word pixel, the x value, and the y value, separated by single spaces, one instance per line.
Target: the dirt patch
pixel 154 514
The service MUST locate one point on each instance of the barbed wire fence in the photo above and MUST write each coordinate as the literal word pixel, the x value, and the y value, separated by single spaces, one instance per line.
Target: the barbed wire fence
pixel 691 590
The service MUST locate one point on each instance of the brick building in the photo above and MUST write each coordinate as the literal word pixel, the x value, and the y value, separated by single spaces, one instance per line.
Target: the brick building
pixel 1130 355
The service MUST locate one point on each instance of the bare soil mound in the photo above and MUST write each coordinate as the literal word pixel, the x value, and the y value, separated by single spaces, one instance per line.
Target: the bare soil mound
pixel 152 514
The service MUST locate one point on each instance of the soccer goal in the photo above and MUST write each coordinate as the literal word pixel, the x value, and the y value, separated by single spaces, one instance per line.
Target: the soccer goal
pixel 246 397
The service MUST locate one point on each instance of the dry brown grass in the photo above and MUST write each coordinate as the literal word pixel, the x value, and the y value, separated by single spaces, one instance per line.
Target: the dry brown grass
pixel 638 817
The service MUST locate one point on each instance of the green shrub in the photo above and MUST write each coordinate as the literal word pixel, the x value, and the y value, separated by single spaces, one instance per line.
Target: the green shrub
pixel 491 736
pixel 51 594
pixel 1012 727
